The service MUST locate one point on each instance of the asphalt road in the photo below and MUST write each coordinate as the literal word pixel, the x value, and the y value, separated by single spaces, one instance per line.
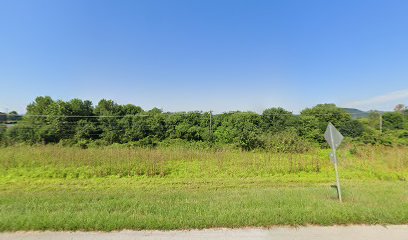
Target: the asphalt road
pixel 395 232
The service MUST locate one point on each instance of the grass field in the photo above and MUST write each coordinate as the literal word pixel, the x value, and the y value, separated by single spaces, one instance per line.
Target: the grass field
pixel 49 187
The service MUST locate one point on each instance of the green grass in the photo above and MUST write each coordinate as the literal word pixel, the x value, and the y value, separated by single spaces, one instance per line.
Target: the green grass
pixel 127 203
pixel 53 188
pixel 71 163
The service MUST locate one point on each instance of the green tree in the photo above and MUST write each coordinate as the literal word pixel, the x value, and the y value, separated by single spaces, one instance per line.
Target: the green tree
pixel 393 120
pixel 241 128
pixel 86 130
pixel 316 119
pixel 277 120
pixel 130 109
pixel 352 128
pixel 191 126
pixel 149 126
pixel 310 127
pixel 35 126
pixel 374 120
pixel 110 114
pixel 39 106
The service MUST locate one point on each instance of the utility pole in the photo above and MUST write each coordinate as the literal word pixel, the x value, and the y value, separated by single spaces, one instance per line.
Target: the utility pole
pixel 381 123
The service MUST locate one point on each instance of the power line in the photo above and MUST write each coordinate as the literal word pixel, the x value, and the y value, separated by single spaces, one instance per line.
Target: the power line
pixel 147 115
pixel 78 116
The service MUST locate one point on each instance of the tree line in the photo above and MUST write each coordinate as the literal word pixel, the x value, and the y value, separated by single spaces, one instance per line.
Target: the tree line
pixel 79 122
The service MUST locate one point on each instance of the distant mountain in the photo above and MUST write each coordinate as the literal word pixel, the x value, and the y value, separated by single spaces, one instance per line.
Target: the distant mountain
pixel 356 113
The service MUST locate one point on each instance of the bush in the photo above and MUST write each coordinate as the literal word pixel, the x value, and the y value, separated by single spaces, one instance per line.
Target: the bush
pixel 67 142
pixel 374 137
pixel 352 128
pixel 353 150
pixel 98 143
pixel 147 142
pixel 393 120
pixel 286 142
pixel 83 143
pixel 2 133
pixel 184 144
pixel 403 134
pixel 239 128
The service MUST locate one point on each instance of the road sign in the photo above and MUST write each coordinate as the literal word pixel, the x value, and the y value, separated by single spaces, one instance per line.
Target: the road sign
pixel 334 139
pixel 333 136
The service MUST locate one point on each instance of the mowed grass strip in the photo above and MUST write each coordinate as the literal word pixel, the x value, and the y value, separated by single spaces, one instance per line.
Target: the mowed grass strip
pixel 128 203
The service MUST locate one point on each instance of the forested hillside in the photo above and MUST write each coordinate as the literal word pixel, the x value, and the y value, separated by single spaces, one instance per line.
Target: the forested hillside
pixel 78 122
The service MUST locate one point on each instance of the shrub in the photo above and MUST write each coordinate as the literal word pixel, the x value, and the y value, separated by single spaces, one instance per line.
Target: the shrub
pixel 286 142
pixel 98 143
pixel 67 142
pixel 147 142
pixel 83 143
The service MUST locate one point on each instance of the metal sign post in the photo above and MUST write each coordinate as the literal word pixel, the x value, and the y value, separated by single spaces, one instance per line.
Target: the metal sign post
pixel 334 138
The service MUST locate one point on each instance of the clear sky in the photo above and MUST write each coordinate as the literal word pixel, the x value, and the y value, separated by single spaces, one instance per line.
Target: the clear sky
pixel 206 55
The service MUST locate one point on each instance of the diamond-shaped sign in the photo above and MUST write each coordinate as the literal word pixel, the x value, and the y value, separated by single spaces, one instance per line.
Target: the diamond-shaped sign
pixel 333 136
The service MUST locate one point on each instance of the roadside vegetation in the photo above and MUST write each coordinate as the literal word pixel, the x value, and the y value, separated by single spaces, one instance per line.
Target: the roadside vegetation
pixel 370 163
pixel 107 204
pixel 116 187
pixel 80 123
pixel 75 166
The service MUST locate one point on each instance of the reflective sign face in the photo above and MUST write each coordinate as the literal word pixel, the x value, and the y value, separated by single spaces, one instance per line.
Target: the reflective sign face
pixel 333 136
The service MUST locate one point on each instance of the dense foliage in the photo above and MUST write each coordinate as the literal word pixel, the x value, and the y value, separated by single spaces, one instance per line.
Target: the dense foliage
pixel 78 122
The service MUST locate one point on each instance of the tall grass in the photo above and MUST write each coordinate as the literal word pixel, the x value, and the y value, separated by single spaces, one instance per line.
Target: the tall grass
pixel 64 162
pixel 61 188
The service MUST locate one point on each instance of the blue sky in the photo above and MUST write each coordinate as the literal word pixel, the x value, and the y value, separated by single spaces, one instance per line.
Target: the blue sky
pixel 206 55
